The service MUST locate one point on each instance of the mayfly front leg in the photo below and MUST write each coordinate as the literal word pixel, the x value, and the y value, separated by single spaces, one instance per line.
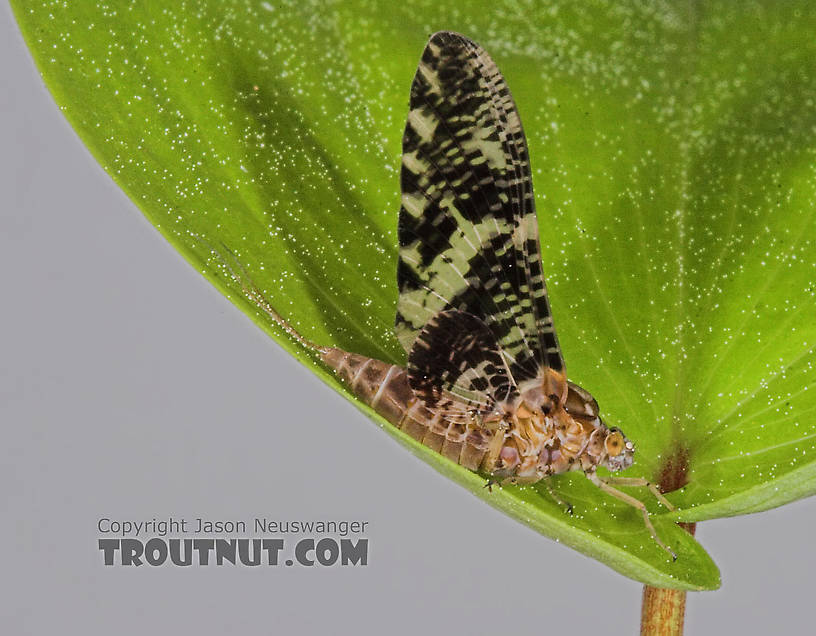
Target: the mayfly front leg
pixel 635 503
pixel 643 483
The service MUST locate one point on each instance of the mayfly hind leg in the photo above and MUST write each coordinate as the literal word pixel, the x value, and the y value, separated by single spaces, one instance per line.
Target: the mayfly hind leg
pixel 635 503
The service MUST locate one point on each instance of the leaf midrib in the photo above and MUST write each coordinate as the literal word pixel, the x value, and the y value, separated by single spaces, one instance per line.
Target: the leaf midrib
pixel 676 446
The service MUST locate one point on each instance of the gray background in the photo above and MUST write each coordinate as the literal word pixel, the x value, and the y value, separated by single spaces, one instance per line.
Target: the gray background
pixel 130 388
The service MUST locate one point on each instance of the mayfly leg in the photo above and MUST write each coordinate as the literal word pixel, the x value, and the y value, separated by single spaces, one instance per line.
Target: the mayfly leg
pixel 556 496
pixel 643 483
pixel 635 503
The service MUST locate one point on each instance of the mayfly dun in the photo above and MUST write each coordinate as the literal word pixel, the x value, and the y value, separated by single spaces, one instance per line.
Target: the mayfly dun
pixel 485 384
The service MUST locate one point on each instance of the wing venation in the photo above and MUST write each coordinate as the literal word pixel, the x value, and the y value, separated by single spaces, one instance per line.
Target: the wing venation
pixel 456 367
pixel 467 226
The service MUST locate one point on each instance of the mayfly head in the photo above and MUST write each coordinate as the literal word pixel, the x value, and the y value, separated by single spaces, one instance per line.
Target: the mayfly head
pixel 620 452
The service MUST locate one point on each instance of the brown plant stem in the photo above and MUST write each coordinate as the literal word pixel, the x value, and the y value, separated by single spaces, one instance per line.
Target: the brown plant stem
pixel 663 611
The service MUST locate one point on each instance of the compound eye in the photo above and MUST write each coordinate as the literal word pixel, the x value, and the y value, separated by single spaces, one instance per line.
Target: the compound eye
pixel 614 443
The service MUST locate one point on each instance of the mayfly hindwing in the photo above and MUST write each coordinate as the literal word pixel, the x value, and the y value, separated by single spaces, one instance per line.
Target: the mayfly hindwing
pixel 455 366
pixel 467 226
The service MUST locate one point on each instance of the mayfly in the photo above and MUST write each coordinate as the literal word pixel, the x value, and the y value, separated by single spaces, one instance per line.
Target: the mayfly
pixel 485 384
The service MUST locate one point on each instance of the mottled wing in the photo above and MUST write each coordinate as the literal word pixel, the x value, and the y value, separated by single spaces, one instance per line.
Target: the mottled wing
pixel 467 227
pixel 456 366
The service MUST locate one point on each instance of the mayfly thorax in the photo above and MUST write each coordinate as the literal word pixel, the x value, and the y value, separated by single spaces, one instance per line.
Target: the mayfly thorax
pixel 485 384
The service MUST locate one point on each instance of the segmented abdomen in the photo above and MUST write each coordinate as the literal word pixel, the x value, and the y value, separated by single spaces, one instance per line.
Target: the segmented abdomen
pixel 384 387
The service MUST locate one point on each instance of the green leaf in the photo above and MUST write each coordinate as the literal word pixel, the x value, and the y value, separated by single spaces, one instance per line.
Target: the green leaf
pixel 673 154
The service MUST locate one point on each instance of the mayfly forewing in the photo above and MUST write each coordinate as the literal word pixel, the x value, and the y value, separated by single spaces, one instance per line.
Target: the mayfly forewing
pixel 467 227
